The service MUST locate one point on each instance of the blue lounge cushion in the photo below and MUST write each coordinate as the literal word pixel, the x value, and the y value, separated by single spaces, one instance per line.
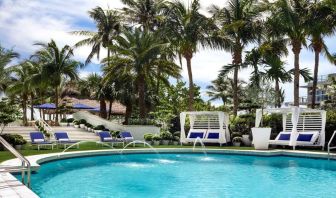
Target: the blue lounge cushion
pixel 36 136
pixel 305 137
pixel 103 135
pixel 126 134
pixel 284 136
pixel 213 135
pixel 196 134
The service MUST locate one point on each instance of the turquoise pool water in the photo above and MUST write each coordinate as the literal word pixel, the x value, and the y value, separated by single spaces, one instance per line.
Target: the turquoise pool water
pixel 186 175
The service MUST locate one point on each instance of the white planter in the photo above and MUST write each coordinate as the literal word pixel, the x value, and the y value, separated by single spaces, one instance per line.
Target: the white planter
pixel 70 124
pixel 156 143
pixel 76 126
pixel 82 126
pixel 175 143
pixel 261 137
pixel 88 129
pixel 165 142
pixel 246 140
pixel 236 144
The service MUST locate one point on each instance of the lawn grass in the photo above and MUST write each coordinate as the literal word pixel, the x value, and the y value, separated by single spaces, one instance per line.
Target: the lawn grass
pixel 29 150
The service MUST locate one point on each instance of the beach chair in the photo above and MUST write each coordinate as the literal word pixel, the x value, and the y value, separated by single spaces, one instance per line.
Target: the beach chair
pixel 37 138
pixel 105 137
pixel 62 138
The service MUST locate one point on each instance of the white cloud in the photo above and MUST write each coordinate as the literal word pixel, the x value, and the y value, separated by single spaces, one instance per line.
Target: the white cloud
pixel 22 23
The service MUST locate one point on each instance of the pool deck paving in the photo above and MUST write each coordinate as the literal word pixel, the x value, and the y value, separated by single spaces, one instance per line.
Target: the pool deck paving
pixel 10 187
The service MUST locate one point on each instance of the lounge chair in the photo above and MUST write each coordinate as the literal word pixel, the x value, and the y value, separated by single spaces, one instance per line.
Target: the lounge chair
pixel 37 138
pixel 105 137
pixel 62 138
pixel 196 133
pixel 305 138
pixel 214 136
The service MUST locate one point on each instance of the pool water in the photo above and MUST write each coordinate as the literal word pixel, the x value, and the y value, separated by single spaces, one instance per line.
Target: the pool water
pixel 186 175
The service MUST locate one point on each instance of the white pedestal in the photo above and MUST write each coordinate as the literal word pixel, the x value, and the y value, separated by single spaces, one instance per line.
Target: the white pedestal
pixel 261 138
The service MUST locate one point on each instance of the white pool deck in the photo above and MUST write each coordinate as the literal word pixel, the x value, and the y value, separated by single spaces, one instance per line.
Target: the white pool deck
pixel 10 187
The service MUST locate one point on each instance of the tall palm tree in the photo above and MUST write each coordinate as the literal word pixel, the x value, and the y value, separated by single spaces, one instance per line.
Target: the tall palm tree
pixel 321 22
pixel 108 24
pixel 57 64
pixel 6 56
pixel 187 29
pixel 147 13
pixel 138 53
pixel 288 18
pixel 21 85
pixel 240 25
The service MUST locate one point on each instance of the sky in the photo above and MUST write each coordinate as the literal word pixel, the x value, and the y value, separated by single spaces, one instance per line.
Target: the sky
pixel 23 23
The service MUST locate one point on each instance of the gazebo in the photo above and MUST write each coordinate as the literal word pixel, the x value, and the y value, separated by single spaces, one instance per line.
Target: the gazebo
pixel 209 126
pixel 301 126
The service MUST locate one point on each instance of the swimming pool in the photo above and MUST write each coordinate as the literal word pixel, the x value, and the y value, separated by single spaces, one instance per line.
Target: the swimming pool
pixel 185 175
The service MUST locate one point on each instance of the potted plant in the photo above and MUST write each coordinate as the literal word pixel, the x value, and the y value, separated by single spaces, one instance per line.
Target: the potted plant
pixel 246 139
pixel 82 123
pixel 19 141
pixel 70 121
pixel 148 138
pixel 76 123
pixel 237 141
pixel 115 134
pixel 98 128
pixel 63 122
pixel 156 139
pixel 166 137
pixel 176 140
pixel 88 126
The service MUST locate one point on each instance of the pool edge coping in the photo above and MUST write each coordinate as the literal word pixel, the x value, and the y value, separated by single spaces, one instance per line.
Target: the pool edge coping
pixel 35 160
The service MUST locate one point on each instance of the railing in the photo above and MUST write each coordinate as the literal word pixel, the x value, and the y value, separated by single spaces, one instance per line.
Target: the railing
pixel 25 164
pixel 329 143
pixel 45 125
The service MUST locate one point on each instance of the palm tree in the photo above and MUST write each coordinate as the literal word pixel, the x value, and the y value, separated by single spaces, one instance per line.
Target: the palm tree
pixel 21 85
pixel 321 22
pixel 6 56
pixel 57 64
pixel 108 26
pixel 147 13
pixel 220 89
pixel 288 18
pixel 138 53
pixel 239 25
pixel 187 30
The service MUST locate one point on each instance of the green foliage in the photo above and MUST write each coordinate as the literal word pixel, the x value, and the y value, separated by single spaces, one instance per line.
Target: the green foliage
pixel 115 134
pixel 166 135
pixel 76 122
pixel 99 127
pixel 330 124
pixel 82 121
pixel 64 120
pixel 148 137
pixel 237 139
pixel 8 113
pixel 275 122
pixel 88 125
pixel 70 120
pixel 156 137
pixel 243 124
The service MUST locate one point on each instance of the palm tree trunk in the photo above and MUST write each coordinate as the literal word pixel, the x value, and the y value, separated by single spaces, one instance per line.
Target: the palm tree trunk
pixel 56 105
pixel 110 109
pixel 191 83
pixel 278 95
pixel 32 106
pixel 296 50
pixel 102 103
pixel 128 112
pixel 141 92
pixel 316 67
pixel 24 109
pixel 237 60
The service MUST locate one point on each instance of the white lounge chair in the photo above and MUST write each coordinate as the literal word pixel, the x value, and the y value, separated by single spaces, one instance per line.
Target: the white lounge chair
pixel 306 138
pixel 196 133
pixel 214 136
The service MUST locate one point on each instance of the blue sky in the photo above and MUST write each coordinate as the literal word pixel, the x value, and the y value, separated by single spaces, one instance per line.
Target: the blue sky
pixel 22 23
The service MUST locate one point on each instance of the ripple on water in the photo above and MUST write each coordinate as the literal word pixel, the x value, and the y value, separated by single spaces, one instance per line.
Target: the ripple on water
pixel 134 165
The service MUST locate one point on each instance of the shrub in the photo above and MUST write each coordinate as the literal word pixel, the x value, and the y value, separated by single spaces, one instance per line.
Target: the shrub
pixel 82 121
pixel 76 122
pixel 176 138
pixel 9 138
pixel 156 137
pixel 88 125
pixel 237 139
pixel 115 134
pixel 99 127
pixel 18 140
pixel 177 133
pixel 63 120
pixel 166 135
pixel 148 137
pixel 69 120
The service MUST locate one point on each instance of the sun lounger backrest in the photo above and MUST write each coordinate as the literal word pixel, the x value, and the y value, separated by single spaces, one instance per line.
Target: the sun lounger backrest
pixel 36 136
pixel 126 134
pixel 61 135
pixel 307 122
pixel 104 134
